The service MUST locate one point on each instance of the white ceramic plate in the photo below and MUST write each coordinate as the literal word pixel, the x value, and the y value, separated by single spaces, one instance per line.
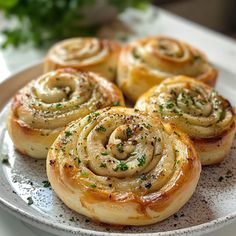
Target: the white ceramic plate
pixel 212 205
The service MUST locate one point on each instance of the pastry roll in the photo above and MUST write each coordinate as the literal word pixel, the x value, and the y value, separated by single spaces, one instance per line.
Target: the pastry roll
pixel 119 166
pixel 46 105
pixel 198 110
pixel 85 54
pixel 148 61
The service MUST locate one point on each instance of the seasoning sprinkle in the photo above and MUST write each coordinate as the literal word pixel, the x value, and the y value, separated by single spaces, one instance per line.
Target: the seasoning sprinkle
pixel 92 185
pixel 104 153
pixel 30 201
pixel 121 166
pixel 68 133
pixel 103 165
pixel 128 132
pixel 115 104
pixel 101 128
pixel 120 147
pixel 46 184
pixel 59 105
pixel 142 160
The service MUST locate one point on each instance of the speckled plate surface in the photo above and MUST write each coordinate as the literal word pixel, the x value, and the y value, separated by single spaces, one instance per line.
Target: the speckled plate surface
pixel 22 180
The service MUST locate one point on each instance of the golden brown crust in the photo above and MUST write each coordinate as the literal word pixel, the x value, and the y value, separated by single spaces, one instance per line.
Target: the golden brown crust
pixel 42 109
pixel 198 110
pixel 85 54
pixel 214 150
pixel 157 176
pixel 148 61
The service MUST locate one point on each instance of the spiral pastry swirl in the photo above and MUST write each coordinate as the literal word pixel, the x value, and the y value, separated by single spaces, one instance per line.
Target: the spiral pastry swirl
pixel 86 54
pixel 198 110
pixel 120 166
pixel 46 105
pixel 148 61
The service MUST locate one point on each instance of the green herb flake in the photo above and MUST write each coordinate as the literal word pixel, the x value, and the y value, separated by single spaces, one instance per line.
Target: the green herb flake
pixel 103 165
pixel 170 105
pixel 68 133
pixel 146 125
pixel 121 166
pixel 59 105
pixel 115 104
pixel 128 132
pixel 92 185
pixel 30 201
pixel 177 162
pixel 46 184
pixel 161 108
pixel 142 160
pixel 96 114
pixel 79 161
pixel 104 153
pixel 89 118
pixel 101 129
pixel 84 174
pixel 120 147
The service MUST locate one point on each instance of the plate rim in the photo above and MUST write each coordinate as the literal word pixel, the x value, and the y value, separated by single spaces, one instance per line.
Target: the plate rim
pixel 52 227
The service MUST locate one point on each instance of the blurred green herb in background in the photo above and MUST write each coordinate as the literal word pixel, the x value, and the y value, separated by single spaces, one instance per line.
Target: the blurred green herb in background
pixel 42 22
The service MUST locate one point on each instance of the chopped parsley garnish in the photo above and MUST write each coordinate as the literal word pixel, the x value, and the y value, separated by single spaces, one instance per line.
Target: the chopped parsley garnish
pixel 177 162
pixel 115 104
pixel 68 133
pixel 128 132
pixel 104 153
pixel 96 114
pixel 142 160
pixel 30 201
pixel 79 161
pixel 89 118
pixel 46 184
pixel 103 165
pixel 59 105
pixel 176 152
pixel 92 185
pixel 84 174
pixel 146 125
pixel 120 147
pixel 121 166
pixel 169 105
pixel 161 108
pixel 101 129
